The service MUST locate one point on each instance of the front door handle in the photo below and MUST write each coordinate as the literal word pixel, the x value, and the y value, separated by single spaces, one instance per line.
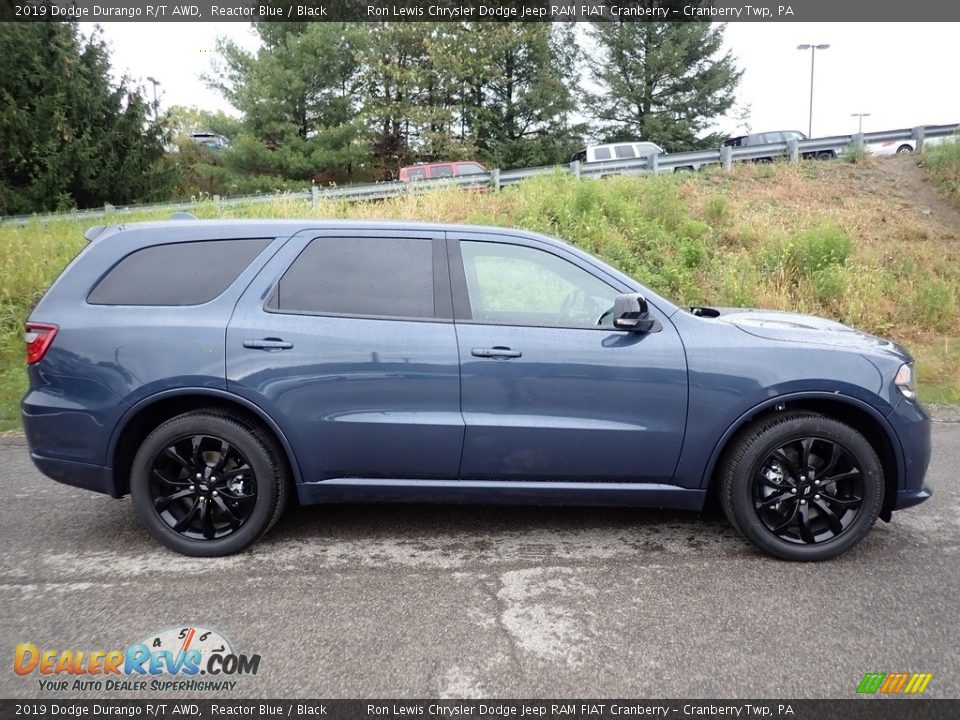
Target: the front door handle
pixel 497 353
pixel 268 344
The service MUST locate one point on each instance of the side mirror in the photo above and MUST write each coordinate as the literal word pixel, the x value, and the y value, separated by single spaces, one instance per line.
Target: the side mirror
pixel 630 313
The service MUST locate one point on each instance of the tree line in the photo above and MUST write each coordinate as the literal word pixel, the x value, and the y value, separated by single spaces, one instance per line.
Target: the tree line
pixel 345 102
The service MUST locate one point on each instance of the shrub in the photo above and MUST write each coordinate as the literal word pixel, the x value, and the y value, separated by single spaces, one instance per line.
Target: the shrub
pixel 718 209
pixel 934 304
pixel 816 249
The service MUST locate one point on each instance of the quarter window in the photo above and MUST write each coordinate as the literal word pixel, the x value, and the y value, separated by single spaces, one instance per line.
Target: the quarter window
pixel 380 277
pixel 188 273
pixel 518 285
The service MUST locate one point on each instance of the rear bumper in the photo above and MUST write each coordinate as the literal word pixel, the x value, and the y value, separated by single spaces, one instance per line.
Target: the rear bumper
pixel 82 475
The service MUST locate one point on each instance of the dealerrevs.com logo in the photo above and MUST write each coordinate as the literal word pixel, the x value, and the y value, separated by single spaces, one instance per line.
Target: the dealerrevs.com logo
pixel 169 660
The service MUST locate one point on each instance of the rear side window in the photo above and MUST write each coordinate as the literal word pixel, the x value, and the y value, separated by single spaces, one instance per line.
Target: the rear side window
pixel 441 171
pixel 189 273
pixel 624 151
pixel 379 277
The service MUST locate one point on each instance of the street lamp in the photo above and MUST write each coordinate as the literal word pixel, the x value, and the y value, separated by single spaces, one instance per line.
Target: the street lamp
pixel 861 116
pixel 155 82
pixel 813 53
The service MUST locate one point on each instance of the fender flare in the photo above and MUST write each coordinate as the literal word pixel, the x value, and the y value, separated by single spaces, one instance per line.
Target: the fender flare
pixel 808 395
pixel 146 402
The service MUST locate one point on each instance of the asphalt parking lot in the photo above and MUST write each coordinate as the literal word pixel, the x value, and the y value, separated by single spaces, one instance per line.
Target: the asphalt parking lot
pixel 426 601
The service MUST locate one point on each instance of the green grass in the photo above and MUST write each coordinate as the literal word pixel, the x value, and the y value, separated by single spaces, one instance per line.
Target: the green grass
pixel 943 165
pixel 766 236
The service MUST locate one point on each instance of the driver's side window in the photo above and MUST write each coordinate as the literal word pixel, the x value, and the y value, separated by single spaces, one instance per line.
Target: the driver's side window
pixel 518 285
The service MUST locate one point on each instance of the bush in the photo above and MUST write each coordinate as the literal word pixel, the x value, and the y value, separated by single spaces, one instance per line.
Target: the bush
pixel 816 249
pixel 718 209
pixel 934 304
pixel 857 154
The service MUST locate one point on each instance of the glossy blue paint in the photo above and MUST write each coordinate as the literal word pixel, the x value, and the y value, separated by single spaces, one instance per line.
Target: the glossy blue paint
pixel 373 408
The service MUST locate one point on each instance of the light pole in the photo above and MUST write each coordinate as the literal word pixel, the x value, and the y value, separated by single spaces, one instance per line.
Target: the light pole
pixel 155 82
pixel 813 53
pixel 861 116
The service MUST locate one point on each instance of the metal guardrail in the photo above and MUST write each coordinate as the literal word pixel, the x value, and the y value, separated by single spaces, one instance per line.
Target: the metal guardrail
pixel 496 179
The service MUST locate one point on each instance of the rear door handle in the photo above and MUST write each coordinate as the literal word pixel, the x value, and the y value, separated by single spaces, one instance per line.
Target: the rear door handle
pixel 268 344
pixel 497 353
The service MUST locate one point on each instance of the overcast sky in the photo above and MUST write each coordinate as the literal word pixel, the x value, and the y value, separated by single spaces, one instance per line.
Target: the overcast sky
pixel 904 74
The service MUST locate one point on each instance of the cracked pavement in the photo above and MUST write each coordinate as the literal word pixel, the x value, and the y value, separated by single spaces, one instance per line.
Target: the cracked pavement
pixel 429 601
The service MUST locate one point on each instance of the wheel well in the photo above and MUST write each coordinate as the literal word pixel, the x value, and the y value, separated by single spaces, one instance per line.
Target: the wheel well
pixel 148 418
pixel 853 416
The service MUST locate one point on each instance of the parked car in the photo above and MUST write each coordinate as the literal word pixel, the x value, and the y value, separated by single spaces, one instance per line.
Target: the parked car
pixel 779 136
pixel 210 140
pixel 620 152
pixel 212 369
pixel 425 171
pixel 898 147
pixel 612 152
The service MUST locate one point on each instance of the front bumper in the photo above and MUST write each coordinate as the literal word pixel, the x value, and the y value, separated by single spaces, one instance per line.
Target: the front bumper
pixel 913 428
pixel 908 498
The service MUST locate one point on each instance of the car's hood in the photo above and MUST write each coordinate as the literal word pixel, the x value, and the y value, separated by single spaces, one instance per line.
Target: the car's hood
pixel 797 328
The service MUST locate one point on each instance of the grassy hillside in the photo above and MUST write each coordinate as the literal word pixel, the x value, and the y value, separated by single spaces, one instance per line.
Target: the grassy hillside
pixel 829 238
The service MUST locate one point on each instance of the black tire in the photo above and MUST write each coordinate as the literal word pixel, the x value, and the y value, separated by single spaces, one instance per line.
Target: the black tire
pixel 769 475
pixel 904 149
pixel 246 507
pixel 826 155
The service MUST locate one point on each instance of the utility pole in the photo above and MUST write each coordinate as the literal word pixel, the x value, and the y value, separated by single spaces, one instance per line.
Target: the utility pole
pixel 813 54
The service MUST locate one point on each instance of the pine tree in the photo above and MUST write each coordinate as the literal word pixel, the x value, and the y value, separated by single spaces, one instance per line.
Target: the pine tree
pixel 69 135
pixel 661 82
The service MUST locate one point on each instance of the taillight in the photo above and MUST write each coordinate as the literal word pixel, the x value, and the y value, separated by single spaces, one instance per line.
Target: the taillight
pixel 38 338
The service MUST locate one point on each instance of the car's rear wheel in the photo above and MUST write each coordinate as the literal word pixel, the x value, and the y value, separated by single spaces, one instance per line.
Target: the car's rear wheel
pixel 208 484
pixel 801 486
pixel 904 149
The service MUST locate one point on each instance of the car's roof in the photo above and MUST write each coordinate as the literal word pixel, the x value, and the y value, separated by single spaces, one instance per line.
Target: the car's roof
pixel 235 229
pixel 441 162
pixel 624 142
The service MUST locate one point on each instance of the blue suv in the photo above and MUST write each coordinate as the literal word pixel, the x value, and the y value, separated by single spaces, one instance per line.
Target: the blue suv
pixel 211 369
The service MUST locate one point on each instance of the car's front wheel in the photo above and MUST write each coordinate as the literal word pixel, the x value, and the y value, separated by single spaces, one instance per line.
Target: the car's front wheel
pixel 207 484
pixel 801 486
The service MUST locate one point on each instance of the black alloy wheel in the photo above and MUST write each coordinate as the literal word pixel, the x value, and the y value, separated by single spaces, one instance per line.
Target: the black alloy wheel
pixel 202 487
pixel 800 485
pixel 808 490
pixel 209 483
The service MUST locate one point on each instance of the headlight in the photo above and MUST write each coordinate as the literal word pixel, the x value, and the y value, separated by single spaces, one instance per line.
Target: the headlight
pixel 906 380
